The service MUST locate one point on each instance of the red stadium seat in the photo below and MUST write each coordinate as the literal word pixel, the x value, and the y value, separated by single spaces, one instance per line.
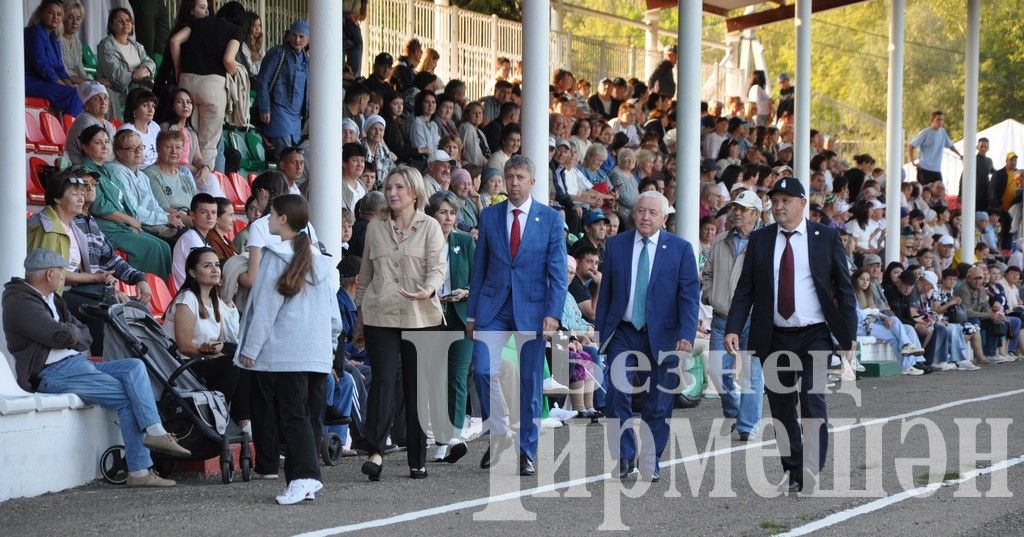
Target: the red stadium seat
pixel 117 124
pixel 241 188
pixel 161 295
pixel 239 226
pixel 229 192
pixel 68 120
pixel 121 253
pixel 35 189
pixel 37 102
pixel 35 141
pixel 53 130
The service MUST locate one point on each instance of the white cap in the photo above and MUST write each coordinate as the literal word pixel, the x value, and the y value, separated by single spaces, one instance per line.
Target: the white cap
pixel 748 199
pixel 842 206
pixel 439 156
pixel 931 278
pixel 875 204
pixel 785 145
pixel 947 240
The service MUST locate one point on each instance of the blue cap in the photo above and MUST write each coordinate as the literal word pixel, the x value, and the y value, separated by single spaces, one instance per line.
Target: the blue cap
pixel 595 216
pixel 300 27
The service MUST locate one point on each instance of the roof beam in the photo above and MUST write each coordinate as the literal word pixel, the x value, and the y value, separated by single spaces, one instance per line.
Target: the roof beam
pixel 761 18
pixel 708 8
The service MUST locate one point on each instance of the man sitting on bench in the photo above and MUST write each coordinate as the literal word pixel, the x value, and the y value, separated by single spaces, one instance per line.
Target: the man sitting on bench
pixel 47 343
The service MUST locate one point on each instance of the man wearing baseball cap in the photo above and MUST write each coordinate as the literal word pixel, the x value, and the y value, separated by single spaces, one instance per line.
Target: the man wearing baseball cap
pixel 742 401
pixel 945 252
pixel 786 92
pixel 438 174
pixel 595 232
pixel 795 289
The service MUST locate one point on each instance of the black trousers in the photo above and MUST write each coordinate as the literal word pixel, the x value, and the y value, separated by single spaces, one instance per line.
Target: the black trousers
pixel 292 405
pixel 389 355
pixel 223 375
pixel 812 378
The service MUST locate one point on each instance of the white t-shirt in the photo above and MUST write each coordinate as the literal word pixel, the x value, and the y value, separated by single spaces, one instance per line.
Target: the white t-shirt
pixel 259 234
pixel 760 97
pixel 75 255
pixel 206 330
pixel 148 141
pixel 188 240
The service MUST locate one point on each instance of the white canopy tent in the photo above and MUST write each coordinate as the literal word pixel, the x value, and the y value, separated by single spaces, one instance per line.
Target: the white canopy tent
pixel 1003 137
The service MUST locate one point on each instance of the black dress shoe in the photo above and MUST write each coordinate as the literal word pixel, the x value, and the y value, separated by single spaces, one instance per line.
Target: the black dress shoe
pixel 373 470
pixel 526 467
pixel 744 437
pixel 455 453
pixel 418 473
pixel 627 468
pixel 795 485
pixel 490 459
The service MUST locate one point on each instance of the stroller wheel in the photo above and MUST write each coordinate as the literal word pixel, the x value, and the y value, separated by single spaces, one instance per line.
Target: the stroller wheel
pixel 114 466
pixel 245 462
pixel 330 449
pixel 227 466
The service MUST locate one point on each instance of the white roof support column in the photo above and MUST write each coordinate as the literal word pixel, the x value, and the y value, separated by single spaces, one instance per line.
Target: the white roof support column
pixel 894 131
pixel 442 41
pixel 969 193
pixel 12 153
pixel 325 131
pixel 687 200
pixel 802 101
pixel 560 56
pixel 651 41
pixel 536 71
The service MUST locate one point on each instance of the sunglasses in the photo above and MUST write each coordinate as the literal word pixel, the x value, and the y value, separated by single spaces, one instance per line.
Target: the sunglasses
pixel 75 181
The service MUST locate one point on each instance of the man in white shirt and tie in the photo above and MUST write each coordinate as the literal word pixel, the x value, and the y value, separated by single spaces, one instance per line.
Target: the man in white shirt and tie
pixel 800 312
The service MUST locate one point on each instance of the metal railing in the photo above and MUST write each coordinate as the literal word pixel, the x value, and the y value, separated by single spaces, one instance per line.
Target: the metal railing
pixel 277 16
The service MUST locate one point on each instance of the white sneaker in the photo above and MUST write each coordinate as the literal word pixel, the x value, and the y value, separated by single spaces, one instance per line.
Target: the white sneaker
pixel 299 490
pixel 966 365
pixel 912 371
pixel 550 423
pixel 553 387
pixel 911 350
pixel 440 453
pixel 857 366
pixel 946 366
pixel 562 415
pixel 1000 359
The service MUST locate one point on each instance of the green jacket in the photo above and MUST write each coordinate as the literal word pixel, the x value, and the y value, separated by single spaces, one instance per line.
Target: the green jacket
pixel 460 263
pixel 45 230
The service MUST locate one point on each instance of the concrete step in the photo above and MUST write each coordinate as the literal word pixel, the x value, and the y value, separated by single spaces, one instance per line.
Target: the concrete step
pixel 888 368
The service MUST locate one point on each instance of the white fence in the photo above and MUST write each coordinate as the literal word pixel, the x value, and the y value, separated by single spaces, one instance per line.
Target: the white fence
pixel 470 42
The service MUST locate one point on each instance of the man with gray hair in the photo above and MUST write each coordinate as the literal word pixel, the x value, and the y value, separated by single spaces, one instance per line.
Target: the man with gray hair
pixel 519 283
pixel 647 330
pixel 48 343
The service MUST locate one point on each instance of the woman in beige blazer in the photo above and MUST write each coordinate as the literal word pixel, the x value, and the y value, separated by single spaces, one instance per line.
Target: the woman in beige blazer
pixel 404 264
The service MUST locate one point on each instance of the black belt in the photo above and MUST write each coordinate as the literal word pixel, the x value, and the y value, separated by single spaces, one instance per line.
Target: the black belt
pixel 642 330
pixel 796 329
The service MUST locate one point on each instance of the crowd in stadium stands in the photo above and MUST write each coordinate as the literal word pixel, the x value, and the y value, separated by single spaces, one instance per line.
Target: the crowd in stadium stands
pixel 142 194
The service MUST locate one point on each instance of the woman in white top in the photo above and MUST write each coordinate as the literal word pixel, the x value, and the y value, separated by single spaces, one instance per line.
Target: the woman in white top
pixel 122 61
pixel 475 149
pixel 759 103
pixel 425 135
pixel 862 229
pixel 138 117
pixel 511 141
pixel 206 328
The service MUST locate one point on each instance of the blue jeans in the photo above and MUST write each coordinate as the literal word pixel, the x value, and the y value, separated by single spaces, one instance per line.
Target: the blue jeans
pixel 121 385
pixel 937 350
pixel 745 401
pixel 340 394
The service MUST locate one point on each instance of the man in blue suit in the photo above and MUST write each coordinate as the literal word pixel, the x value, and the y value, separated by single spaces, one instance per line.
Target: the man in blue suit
pixel 518 287
pixel 647 311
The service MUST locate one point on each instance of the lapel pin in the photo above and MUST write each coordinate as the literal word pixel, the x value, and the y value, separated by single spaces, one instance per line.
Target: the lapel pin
pixel 457 249
pixel 664 247
pixel 536 219
pixel 817 233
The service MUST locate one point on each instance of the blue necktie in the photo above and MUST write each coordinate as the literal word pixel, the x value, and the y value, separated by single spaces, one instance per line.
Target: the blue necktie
pixel 640 288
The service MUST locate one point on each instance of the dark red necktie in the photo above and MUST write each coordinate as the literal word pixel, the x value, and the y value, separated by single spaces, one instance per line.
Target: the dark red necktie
pixel 517 234
pixel 787 299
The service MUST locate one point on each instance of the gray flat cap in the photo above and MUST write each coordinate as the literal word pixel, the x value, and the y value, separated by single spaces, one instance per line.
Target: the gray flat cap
pixel 42 259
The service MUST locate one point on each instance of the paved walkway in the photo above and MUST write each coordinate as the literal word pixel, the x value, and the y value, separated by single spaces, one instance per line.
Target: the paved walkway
pixel 577 499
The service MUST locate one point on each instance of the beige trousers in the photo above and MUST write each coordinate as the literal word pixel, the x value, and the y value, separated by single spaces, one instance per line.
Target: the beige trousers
pixel 210 96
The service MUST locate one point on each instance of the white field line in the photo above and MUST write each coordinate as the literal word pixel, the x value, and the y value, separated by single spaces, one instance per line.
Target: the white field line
pixel 481 502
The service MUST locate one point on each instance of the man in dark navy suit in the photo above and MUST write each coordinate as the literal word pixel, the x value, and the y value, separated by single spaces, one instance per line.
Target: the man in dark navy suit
pixel 647 310
pixel 801 306
pixel 517 287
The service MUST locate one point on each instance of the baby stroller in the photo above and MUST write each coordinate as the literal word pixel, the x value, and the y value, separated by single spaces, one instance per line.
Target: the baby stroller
pixel 198 417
